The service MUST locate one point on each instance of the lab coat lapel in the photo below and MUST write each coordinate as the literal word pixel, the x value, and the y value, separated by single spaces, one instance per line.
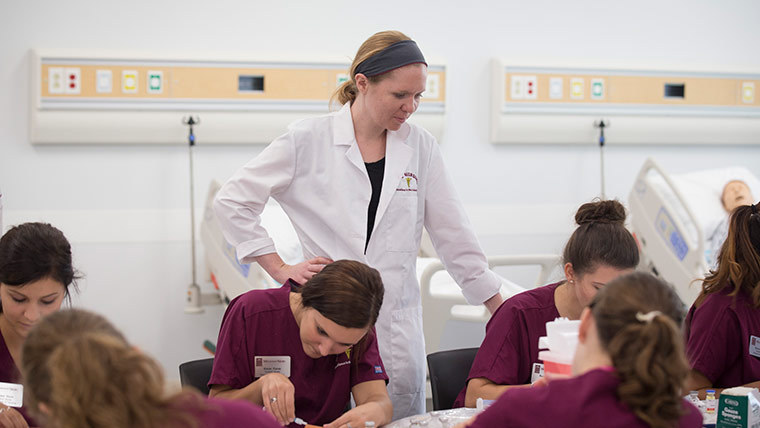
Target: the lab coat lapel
pixel 344 136
pixel 397 157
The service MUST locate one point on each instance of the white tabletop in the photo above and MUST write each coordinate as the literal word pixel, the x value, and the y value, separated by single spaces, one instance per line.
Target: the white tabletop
pixel 436 419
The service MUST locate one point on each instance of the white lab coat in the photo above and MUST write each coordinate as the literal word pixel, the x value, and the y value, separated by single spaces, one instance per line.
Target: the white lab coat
pixel 316 173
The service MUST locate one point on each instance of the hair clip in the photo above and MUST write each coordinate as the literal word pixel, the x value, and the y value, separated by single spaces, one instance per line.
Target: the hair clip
pixel 647 317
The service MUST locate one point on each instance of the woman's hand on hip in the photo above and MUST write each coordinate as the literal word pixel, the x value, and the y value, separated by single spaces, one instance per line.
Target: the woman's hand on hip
pixel 11 418
pixel 278 397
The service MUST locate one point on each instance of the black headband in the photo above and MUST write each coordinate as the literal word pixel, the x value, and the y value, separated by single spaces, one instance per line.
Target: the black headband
pixel 394 56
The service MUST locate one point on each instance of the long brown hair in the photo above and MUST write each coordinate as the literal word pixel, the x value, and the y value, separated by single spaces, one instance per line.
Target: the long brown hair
pixel 638 319
pixel 376 43
pixel 601 238
pixel 739 257
pixel 86 373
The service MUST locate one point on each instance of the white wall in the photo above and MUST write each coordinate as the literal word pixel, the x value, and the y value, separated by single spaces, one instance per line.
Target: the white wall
pixel 124 207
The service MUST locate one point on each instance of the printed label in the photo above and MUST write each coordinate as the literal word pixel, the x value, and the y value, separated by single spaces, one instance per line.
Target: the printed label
pixel 264 365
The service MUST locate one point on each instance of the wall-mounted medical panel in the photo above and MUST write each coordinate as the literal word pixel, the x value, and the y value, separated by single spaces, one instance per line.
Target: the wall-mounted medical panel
pixel 80 98
pixel 561 105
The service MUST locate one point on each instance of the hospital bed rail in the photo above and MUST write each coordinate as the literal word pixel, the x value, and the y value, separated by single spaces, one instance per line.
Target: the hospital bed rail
pixel 671 248
pixel 438 307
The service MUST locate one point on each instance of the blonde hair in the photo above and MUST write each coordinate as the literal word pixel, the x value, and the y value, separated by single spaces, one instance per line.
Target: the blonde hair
pixel 376 43
pixel 87 375
pixel 638 318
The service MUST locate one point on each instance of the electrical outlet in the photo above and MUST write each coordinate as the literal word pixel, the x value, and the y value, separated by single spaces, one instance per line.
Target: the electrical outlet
pixel 555 88
pixel 576 88
pixel 55 80
pixel 432 87
pixel 748 92
pixel 155 82
pixel 531 87
pixel 517 87
pixel 73 79
pixel 103 81
pixel 597 89
pixel 129 81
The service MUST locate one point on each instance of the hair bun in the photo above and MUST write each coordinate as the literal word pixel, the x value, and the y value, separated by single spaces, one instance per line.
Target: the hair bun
pixel 598 211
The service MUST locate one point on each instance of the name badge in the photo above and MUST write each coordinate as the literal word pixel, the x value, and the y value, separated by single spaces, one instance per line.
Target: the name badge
pixel 754 346
pixel 264 365
pixel 12 394
pixel 537 372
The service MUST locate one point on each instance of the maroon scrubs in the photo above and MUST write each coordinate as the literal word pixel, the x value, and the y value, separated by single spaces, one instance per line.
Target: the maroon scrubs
pixel 260 323
pixel 9 373
pixel 510 347
pixel 216 413
pixel 588 400
pixel 723 339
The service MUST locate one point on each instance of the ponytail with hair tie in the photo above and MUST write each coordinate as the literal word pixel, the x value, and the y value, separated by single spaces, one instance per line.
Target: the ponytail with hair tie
pixel 647 317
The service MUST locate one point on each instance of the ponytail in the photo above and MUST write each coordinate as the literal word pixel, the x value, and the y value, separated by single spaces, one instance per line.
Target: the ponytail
pixel 638 319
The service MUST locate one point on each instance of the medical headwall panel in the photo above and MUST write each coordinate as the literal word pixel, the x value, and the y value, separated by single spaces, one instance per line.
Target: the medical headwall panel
pixel 106 98
pixel 562 105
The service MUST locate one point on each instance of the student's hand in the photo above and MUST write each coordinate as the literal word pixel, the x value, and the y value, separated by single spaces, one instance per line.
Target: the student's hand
pixel 11 418
pixel 357 416
pixel 278 397
pixel 548 377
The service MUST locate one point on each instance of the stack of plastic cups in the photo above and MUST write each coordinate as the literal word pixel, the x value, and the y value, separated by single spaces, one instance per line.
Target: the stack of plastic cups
pixel 559 343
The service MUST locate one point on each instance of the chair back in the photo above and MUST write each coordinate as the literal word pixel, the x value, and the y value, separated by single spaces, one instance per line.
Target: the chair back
pixel 196 374
pixel 448 373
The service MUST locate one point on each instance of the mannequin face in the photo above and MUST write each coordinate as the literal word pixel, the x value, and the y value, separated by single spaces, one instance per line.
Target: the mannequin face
pixel 736 193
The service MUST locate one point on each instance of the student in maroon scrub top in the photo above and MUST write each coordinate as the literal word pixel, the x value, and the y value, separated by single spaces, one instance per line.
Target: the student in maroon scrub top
pixel 35 276
pixel 628 371
pixel 80 371
pixel 723 325
pixel 300 351
pixel 600 250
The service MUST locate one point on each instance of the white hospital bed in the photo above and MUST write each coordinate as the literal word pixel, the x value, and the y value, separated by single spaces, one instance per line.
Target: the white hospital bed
pixel 671 215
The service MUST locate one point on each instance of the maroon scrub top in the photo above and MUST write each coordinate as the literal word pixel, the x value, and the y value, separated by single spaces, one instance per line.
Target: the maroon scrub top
pixel 510 347
pixel 261 323
pixel 9 373
pixel 723 339
pixel 217 413
pixel 588 400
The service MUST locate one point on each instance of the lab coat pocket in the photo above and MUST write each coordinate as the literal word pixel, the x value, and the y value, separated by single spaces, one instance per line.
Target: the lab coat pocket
pixel 407 351
pixel 401 223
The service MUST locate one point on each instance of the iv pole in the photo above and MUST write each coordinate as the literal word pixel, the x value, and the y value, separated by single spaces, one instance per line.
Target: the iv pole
pixel 193 290
pixel 601 124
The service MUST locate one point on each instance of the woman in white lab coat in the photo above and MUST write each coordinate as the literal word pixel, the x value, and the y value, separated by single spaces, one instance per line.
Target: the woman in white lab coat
pixel 360 184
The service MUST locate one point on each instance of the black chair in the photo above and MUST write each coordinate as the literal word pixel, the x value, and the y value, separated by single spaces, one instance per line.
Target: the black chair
pixel 196 374
pixel 448 373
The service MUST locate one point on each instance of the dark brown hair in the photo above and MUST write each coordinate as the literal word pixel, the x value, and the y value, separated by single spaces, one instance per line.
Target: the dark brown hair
pixel 33 251
pixel 84 370
pixel 376 43
pixel 601 238
pixel 739 257
pixel 347 292
pixel 647 351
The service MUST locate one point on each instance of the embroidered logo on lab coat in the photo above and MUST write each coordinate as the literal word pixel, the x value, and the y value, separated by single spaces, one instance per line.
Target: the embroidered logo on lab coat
pixel 408 183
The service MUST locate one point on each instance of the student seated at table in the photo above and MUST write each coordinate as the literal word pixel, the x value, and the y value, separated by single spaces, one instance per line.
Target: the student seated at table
pixel 600 250
pixel 628 369
pixel 35 275
pixel 723 325
pixel 80 371
pixel 300 351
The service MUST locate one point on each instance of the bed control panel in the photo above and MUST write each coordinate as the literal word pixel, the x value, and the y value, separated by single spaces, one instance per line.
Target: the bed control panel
pixel 668 230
